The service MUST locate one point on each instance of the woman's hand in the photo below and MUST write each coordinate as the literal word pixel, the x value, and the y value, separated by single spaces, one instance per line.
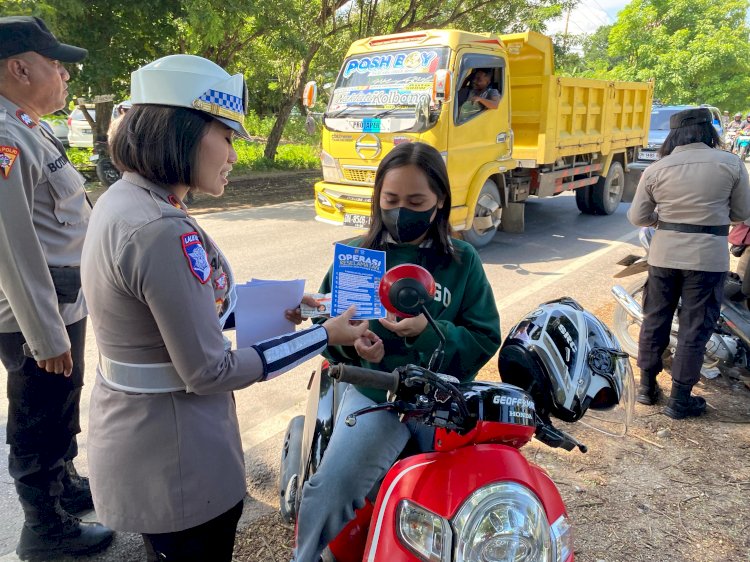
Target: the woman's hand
pixel 370 347
pixel 342 331
pixel 406 327
pixel 295 315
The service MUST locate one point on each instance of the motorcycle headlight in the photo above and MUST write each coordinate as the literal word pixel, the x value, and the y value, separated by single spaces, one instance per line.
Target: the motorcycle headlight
pixel 426 534
pixel 562 539
pixel 503 522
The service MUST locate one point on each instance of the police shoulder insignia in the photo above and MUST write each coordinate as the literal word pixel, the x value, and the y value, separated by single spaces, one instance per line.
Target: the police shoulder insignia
pixel 220 283
pixel 24 118
pixel 8 155
pixel 196 256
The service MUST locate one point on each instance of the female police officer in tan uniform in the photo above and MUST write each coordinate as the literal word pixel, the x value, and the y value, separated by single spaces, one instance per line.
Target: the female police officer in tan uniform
pixel 164 448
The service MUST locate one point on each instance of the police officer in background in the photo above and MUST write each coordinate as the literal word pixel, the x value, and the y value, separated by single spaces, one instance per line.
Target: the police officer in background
pixel 691 195
pixel 43 219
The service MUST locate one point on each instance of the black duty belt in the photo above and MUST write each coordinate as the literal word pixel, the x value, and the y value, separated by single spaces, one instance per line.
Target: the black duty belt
pixel 67 281
pixel 718 230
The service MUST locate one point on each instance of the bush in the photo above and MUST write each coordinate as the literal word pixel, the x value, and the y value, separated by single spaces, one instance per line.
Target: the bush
pixel 79 157
pixel 288 157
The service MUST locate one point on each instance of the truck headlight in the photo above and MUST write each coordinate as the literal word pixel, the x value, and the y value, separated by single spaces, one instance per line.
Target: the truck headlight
pixel 426 534
pixel 502 522
pixel 331 169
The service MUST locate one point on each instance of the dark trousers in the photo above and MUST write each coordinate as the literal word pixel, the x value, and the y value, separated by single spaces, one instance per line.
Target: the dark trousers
pixel 43 418
pixel 213 540
pixel 701 293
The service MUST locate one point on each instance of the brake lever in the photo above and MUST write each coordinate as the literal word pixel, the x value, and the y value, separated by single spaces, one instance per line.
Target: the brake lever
pixel 399 406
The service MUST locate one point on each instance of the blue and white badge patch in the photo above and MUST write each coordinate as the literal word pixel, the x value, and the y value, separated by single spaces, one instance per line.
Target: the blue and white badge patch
pixel 196 255
pixel 220 283
pixel 24 118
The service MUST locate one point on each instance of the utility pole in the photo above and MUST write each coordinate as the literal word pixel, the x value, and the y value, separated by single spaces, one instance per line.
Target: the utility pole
pixel 565 33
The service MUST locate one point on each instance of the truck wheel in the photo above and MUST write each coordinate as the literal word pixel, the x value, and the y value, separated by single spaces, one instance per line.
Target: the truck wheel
pixel 106 171
pixel 291 454
pixel 486 216
pixel 607 193
pixel 583 200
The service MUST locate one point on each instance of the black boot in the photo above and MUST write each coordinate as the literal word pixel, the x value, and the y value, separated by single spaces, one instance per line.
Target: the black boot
pixel 649 392
pixel 76 494
pixel 681 404
pixel 49 532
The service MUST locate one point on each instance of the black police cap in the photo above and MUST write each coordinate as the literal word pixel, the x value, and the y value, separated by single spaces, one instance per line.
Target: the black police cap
pixel 687 117
pixel 19 34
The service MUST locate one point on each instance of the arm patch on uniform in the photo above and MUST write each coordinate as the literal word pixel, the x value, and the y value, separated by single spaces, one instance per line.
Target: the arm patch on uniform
pixel 196 256
pixel 8 155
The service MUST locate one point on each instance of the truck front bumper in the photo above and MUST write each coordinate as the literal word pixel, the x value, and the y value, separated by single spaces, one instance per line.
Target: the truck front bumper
pixel 343 204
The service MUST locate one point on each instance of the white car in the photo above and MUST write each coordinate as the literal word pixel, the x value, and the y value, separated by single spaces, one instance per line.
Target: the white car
pixel 57 122
pixel 79 130
pixel 80 134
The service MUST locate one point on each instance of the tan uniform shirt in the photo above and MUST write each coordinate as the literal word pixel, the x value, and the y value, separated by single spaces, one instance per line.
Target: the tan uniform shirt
pixel 154 282
pixel 697 185
pixel 43 220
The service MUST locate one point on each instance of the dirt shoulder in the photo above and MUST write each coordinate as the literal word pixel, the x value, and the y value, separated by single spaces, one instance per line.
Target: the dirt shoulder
pixel 255 189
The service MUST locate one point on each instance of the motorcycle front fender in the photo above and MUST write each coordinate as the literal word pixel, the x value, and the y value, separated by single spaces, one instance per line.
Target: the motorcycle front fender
pixel 441 482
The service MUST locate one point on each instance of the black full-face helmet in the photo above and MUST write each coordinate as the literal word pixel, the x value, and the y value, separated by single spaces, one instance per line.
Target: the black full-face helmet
pixel 567 359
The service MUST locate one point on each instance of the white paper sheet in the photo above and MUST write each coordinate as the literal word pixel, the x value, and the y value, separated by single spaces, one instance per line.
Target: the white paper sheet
pixel 260 309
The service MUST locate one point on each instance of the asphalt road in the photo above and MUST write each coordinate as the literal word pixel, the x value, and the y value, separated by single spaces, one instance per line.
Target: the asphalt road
pixel 561 253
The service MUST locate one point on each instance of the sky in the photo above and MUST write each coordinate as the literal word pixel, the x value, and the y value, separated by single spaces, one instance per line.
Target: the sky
pixel 588 16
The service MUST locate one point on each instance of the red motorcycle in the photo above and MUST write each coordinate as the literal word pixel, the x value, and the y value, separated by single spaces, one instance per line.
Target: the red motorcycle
pixel 474 497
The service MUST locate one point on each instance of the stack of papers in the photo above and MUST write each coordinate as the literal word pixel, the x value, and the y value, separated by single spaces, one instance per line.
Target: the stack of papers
pixel 259 314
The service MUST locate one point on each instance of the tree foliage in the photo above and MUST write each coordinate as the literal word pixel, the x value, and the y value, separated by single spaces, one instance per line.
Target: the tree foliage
pixel 277 45
pixel 695 50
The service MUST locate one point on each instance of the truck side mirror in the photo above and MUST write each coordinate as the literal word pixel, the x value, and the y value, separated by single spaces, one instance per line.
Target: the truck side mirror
pixel 310 94
pixel 442 83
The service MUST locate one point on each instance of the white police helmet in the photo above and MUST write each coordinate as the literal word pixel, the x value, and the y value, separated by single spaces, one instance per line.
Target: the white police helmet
pixel 194 82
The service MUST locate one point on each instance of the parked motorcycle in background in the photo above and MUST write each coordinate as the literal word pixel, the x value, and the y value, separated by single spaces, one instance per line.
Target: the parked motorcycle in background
pixel 728 349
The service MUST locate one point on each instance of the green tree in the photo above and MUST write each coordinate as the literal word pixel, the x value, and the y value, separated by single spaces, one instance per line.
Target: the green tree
pixel 120 35
pixel 695 50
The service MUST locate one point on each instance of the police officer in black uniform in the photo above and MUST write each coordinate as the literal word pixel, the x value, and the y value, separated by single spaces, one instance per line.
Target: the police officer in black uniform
pixel 691 195
pixel 43 218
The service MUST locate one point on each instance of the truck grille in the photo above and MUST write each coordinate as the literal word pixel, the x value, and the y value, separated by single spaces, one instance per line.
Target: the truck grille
pixel 360 175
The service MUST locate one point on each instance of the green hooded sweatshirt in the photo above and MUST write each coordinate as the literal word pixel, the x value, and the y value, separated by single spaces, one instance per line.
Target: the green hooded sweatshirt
pixel 464 309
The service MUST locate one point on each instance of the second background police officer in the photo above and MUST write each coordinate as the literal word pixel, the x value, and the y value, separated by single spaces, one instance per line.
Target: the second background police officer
pixel 691 195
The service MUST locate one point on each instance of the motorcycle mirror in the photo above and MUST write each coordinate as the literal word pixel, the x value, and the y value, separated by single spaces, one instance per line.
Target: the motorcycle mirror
pixel 404 289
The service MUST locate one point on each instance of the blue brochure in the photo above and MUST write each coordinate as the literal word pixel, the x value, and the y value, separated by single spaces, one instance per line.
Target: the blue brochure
pixel 356 276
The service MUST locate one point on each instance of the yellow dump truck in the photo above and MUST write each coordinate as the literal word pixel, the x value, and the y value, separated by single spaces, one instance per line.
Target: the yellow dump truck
pixel 549 134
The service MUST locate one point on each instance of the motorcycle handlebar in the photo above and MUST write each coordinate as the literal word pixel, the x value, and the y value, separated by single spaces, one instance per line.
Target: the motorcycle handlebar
pixel 365 377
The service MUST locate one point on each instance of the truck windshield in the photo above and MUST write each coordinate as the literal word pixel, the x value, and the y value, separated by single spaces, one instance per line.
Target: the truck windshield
pixel 372 84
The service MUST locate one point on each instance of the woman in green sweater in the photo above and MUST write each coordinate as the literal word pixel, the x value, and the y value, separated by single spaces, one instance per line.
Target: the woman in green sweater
pixel 411 206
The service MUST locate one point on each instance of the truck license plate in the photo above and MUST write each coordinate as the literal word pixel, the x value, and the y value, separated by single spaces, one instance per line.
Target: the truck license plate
pixel 648 155
pixel 359 221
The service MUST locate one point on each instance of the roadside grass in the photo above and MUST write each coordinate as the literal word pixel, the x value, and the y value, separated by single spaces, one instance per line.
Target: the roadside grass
pixel 299 151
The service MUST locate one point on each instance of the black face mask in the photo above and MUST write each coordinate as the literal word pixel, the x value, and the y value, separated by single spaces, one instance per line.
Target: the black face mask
pixel 406 225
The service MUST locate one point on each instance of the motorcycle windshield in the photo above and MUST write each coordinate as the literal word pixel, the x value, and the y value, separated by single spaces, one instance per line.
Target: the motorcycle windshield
pixel 615 421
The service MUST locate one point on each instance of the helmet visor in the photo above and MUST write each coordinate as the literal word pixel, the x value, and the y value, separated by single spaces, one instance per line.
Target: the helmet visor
pixel 605 414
